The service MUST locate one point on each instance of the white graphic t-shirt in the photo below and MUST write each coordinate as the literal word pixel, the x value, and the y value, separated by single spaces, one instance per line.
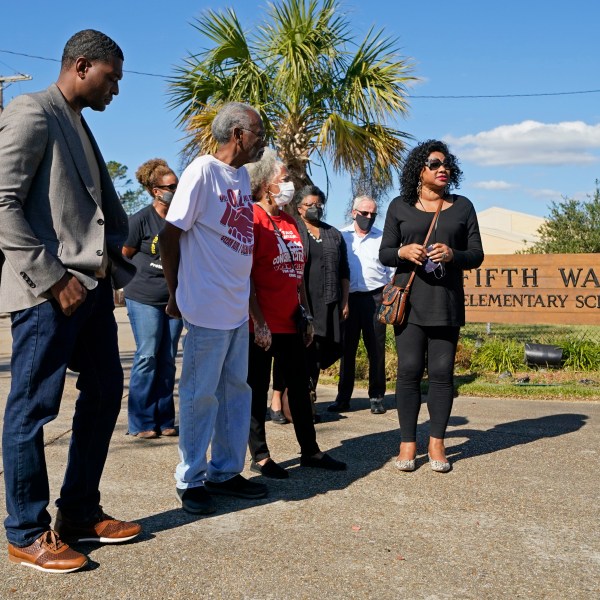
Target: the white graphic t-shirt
pixel 213 207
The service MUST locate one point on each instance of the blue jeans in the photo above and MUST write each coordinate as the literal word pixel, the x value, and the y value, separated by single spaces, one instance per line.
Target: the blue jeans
pixel 45 343
pixel 214 405
pixel 150 405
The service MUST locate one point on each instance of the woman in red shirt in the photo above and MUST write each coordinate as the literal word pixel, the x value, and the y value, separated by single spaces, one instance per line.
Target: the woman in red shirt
pixel 277 289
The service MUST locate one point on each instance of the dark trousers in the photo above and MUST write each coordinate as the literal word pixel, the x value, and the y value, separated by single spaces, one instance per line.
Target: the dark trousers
pixel 289 353
pixel 45 342
pixel 363 319
pixel 417 347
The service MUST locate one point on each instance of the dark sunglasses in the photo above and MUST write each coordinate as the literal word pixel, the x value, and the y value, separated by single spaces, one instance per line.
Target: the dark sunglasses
pixel 436 163
pixel 172 187
pixel 366 213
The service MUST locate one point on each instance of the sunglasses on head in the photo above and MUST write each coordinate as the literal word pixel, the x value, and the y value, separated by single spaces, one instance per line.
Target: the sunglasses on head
pixel 436 163
pixel 172 187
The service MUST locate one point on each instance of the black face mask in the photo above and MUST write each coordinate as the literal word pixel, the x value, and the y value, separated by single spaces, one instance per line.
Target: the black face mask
pixel 364 223
pixel 313 214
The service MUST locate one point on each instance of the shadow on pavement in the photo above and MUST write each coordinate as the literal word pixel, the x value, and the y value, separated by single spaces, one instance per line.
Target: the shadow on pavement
pixel 363 454
pixel 513 433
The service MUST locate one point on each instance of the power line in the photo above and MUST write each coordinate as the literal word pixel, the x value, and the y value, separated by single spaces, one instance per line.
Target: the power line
pixel 56 60
pixel 510 95
pixel 445 97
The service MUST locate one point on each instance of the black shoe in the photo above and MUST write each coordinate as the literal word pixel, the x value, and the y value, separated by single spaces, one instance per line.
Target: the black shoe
pixel 325 462
pixel 237 486
pixel 377 407
pixel 338 406
pixel 270 469
pixel 196 501
pixel 278 417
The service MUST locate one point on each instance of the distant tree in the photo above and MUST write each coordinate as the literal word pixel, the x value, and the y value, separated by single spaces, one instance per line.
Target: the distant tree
pixel 131 199
pixel 322 93
pixel 573 227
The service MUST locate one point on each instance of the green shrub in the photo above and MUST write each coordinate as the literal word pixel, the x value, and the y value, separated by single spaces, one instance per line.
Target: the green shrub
pixel 497 355
pixel 581 355
pixel 464 353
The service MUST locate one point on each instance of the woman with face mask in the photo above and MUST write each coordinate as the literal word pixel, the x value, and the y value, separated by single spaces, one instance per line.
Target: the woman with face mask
pixel 327 280
pixel 150 407
pixel 276 291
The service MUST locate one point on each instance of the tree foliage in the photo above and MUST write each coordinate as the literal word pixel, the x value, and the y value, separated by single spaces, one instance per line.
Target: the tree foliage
pixel 573 227
pixel 322 94
pixel 131 199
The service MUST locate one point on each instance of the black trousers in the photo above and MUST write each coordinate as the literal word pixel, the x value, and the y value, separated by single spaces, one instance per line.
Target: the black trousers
pixel 290 354
pixel 417 347
pixel 363 319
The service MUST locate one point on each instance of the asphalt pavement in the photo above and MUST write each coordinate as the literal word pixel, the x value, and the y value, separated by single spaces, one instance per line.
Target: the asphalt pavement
pixel 517 517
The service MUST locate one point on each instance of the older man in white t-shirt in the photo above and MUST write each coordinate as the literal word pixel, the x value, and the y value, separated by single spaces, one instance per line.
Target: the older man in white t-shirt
pixel 367 278
pixel 206 248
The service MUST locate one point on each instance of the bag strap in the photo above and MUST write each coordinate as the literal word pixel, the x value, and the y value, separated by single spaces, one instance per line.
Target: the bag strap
pixel 433 223
pixel 278 232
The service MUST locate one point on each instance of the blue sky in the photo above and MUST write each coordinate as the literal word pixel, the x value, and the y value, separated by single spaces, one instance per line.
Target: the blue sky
pixel 518 152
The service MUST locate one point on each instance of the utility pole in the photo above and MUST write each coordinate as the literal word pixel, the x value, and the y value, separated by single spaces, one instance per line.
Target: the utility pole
pixel 10 79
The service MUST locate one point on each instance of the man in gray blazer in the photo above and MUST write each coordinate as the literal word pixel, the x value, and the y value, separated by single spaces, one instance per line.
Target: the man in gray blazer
pixel 61 231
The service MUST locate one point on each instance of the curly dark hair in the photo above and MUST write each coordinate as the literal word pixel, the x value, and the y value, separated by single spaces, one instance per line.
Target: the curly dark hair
pixel 92 44
pixel 413 166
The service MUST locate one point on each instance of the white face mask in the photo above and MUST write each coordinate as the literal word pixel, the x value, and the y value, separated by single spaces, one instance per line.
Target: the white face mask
pixel 286 193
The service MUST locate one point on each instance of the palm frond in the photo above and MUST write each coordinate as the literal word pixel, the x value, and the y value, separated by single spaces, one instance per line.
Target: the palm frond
pixel 374 85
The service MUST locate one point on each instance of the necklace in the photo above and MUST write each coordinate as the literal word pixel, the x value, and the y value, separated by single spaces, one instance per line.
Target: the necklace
pixel 317 239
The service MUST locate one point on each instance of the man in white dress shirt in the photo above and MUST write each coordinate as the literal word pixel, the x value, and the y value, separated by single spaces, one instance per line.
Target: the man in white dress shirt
pixel 367 278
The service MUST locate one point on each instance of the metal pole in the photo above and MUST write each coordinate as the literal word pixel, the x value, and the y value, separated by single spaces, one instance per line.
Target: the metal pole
pixel 10 79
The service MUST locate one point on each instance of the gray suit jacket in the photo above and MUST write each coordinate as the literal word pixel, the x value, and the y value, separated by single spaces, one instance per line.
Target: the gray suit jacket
pixel 52 219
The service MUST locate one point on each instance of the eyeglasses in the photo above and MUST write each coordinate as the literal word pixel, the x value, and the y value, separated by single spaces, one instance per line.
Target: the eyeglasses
pixel 366 213
pixel 261 136
pixel 171 187
pixel 435 163
pixel 311 205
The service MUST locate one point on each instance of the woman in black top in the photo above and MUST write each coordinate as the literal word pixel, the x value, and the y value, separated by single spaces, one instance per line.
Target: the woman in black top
pixel 429 334
pixel 151 408
pixel 327 281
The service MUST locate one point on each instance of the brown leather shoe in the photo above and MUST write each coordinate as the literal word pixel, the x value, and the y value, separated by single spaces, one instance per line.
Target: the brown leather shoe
pixel 102 529
pixel 48 553
pixel 169 432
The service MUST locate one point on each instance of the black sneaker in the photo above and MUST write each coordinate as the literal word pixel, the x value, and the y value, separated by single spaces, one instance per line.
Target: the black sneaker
pixel 278 417
pixel 269 469
pixel 325 462
pixel 237 486
pixel 196 501
pixel 377 407
pixel 338 406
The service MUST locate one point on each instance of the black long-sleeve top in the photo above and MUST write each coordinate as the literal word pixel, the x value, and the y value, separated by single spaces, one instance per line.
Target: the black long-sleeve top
pixel 433 302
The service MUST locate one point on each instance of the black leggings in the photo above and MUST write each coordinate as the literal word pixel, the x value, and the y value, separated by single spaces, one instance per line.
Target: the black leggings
pixel 289 352
pixel 417 347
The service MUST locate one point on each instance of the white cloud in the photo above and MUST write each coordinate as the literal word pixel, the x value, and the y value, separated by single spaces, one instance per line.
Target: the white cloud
pixel 493 185
pixel 530 143
pixel 546 193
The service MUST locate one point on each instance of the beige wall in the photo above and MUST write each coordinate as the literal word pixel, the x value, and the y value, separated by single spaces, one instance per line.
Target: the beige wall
pixel 507 231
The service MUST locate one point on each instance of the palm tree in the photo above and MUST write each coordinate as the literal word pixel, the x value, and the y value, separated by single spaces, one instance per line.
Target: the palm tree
pixel 321 95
